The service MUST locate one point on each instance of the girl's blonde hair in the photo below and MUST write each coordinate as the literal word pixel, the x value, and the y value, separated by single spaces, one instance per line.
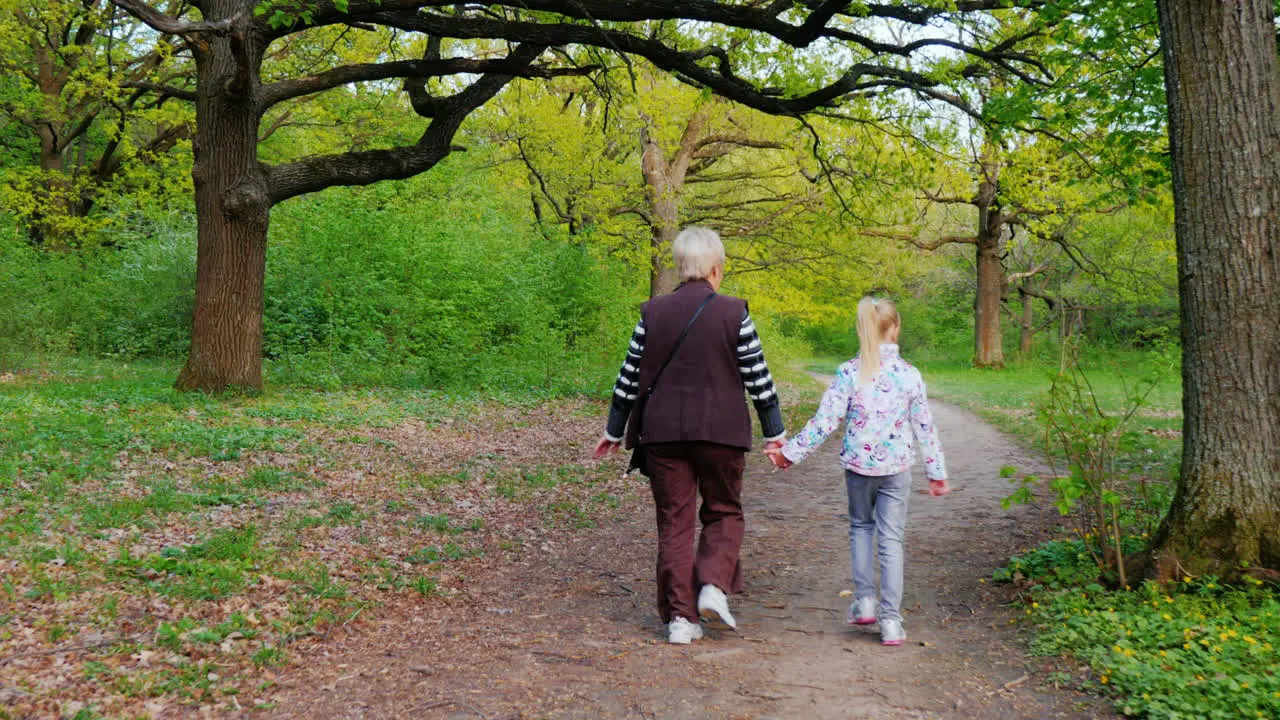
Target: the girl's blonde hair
pixel 876 317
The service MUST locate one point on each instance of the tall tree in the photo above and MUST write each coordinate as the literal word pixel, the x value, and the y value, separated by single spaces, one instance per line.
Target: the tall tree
pixel 1224 129
pixel 775 57
pixel 83 84
pixel 630 168
pixel 1026 189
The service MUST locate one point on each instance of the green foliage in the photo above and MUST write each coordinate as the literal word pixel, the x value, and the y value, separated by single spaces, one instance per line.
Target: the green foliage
pixel 1055 564
pixel 402 305
pixel 1195 649
pixel 388 285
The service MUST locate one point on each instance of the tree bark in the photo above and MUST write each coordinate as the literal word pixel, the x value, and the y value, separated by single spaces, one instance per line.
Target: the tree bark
pixel 664 182
pixel 1221 77
pixel 988 349
pixel 1027 325
pixel 233 210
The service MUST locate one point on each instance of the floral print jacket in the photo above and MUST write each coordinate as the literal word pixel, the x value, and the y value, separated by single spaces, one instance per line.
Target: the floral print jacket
pixel 878 441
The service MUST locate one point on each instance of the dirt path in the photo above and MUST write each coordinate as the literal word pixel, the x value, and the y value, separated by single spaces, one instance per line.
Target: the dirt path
pixel 571 631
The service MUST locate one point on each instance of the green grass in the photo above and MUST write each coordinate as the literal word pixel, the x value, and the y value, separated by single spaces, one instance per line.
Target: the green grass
pixel 138 512
pixel 1194 649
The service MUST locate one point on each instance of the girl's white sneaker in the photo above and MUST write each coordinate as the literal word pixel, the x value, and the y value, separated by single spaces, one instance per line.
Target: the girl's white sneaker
pixel 891 632
pixel 861 611
pixel 682 632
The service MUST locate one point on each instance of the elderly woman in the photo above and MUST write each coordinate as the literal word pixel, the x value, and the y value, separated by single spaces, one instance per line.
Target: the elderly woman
pixel 694 430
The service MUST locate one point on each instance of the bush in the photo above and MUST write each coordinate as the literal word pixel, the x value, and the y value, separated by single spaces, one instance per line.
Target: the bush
pixel 438 281
pixel 408 283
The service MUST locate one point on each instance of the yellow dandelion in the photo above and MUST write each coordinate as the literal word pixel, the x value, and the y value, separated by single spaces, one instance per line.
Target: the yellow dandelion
pixel 1105 679
pixel 1163 653
pixel 1186 646
pixel 1222 636
pixel 1167 616
pixel 1244 685
pixel 1035 604
pixel 1250 640
pixel 1186 579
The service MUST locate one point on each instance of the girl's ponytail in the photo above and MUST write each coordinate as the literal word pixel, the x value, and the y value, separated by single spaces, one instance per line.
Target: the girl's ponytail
pixel 876 316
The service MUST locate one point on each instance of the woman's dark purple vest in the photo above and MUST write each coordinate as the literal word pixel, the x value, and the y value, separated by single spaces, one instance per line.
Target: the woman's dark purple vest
pixel 700 396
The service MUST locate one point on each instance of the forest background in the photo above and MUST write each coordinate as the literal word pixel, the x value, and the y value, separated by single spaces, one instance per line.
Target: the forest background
pixel 1020 213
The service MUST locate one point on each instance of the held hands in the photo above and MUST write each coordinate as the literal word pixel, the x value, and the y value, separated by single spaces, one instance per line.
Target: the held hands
pixel 774 450
pixel 605 447
pixel 939 487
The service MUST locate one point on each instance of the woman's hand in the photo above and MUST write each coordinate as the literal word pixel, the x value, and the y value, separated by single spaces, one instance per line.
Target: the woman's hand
pixel 939 487
pixel 605 447
pixel 774 451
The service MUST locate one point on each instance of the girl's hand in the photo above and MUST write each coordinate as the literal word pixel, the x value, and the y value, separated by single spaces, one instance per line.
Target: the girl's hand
pixel 779 460
pixel 939 487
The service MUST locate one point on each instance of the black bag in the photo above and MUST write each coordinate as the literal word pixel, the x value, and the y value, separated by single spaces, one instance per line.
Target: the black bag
pixel 639 458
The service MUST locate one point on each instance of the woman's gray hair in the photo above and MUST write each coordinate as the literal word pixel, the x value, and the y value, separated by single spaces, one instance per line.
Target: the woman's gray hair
pixel 696 252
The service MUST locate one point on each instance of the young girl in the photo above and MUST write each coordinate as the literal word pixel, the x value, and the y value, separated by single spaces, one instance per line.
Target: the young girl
pixel 882 397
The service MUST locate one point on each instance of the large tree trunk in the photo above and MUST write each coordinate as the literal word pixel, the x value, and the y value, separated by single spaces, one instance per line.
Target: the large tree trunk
pixel 664 184
pixel 664 213
pixel 988 349
pixel 1221 76
pixel 233 207
pixel 662 277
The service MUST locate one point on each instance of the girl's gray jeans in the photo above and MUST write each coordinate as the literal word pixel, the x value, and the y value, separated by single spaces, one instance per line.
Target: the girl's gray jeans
pixel 878 506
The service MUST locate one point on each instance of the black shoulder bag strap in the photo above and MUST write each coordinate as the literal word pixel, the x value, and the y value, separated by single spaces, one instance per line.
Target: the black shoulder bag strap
pixel 638 459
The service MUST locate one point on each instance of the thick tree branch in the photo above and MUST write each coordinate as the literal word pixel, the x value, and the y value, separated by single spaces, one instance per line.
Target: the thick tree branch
pixel 922 244
pixel 686 65
pixel 173 26
pixel 1032 292
pixel 363 168
pixel 159 89
pixel 1015 277
pixel 706 148
pixel 283 90
pixel 948 199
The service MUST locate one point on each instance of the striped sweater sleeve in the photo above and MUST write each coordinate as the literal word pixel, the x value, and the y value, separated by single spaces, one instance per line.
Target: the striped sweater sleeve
pixel 758 380
pixel 627 386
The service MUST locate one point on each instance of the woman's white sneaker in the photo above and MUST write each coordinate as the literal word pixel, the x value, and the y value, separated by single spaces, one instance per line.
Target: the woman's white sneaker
pixel 861 611
pixel 682 632
pixel 891 632
pixel 713 608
